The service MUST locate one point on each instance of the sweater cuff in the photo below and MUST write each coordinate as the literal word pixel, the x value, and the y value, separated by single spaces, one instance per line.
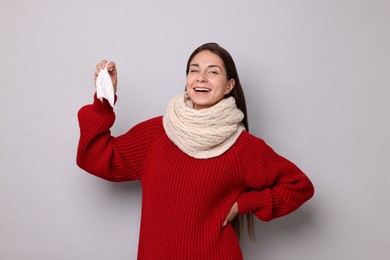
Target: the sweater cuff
pixel 102 106
pixel 254 201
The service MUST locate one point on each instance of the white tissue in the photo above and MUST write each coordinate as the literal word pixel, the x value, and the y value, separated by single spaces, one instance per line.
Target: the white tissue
pixel 104 88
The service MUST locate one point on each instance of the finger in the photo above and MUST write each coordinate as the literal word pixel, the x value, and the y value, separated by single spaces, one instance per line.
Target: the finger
pixel 227 220
pixel 99 67
pixel 231 215
pixel 96 74
pixel 224 223
pixel 103 63
pixel 111 66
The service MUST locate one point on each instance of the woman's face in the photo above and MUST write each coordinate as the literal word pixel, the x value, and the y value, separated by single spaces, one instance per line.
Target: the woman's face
pixel 207 81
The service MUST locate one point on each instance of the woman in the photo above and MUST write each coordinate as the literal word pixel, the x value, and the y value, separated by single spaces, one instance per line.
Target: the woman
pixel 198 165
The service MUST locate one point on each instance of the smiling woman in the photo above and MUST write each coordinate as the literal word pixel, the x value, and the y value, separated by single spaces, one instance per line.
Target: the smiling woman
pixel 199 166
pixel 207 81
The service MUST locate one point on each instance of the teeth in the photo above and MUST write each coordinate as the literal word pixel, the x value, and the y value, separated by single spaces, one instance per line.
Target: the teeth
pixel 202 89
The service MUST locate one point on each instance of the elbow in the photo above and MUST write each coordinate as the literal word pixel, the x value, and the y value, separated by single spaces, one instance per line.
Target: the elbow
pixel 98 171
pixel 309 189
pixel 306 192
pixel 303 191
pixel 82 161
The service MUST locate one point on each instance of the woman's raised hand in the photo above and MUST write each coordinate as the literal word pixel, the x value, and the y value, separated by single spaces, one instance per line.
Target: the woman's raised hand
pixel 111 68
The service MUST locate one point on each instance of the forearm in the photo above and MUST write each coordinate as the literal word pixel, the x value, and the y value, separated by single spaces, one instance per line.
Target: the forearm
pixel 96 151
pixel 280 199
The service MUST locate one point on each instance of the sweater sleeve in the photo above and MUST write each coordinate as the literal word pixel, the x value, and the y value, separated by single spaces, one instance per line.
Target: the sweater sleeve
pixel 111 158
pixel 275 186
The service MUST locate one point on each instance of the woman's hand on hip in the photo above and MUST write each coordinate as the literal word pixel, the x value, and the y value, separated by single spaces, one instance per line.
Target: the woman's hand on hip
pixel 231 215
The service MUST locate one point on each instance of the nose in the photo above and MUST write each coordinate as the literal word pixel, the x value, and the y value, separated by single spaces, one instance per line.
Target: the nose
pixel 201 77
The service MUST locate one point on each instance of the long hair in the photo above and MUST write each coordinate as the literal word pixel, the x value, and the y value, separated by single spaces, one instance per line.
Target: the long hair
pixel 238 94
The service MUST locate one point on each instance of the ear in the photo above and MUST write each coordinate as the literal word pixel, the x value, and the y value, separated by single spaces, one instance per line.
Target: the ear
pixel 230 85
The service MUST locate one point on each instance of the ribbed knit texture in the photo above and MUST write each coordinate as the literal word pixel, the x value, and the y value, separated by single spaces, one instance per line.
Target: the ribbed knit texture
pixel 185 200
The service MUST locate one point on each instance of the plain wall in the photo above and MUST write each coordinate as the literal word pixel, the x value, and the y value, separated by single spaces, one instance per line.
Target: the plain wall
pixel 316 76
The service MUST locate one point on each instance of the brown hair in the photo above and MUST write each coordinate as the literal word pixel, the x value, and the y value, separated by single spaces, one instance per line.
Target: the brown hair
pixel 238 94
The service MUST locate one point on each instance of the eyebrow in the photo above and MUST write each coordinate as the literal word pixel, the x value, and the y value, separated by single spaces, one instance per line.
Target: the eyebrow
pixel 210 66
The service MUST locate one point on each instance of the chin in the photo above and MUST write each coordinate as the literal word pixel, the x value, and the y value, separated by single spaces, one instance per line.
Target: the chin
pixel 201 105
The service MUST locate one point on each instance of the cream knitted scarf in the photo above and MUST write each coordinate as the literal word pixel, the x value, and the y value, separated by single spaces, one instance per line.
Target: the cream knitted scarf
pixel 204 133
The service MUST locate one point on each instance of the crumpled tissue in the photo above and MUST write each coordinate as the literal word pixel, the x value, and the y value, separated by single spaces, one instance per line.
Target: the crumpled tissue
pixel 104 87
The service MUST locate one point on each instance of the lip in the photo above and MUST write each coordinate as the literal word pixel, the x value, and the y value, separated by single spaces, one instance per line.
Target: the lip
pixel 201 87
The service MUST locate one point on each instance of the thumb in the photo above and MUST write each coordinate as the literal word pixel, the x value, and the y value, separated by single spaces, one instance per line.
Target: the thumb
pixel 231 215
pixel 225 222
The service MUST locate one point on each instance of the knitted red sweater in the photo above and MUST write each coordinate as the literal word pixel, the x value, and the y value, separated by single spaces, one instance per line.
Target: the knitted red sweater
pixel 185 200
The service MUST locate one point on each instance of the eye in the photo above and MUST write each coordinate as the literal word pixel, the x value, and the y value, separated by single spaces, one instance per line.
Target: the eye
pixel 214 72
pixel 194 70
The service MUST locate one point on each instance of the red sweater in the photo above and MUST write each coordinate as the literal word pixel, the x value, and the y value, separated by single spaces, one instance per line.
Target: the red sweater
pixel 185 200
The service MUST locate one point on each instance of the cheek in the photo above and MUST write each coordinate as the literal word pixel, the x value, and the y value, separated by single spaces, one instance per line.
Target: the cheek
pixel 189 80
pixel 220 84
pixel 188 83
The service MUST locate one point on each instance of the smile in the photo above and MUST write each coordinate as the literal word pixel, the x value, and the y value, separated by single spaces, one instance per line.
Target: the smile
pixel 202 89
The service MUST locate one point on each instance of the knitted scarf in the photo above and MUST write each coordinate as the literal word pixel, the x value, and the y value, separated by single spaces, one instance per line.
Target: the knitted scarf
pixel 203 133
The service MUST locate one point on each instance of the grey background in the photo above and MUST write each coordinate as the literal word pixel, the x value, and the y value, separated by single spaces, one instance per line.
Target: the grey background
pixel 316 76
